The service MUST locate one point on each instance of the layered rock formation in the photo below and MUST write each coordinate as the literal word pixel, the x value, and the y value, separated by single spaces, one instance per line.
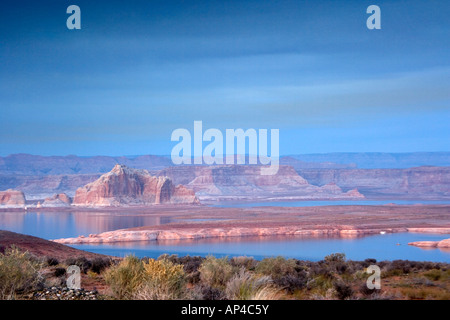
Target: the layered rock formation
pixel 431 183
pixel 12 199
pixel 241 182
pixel 58 200
pixel 127 186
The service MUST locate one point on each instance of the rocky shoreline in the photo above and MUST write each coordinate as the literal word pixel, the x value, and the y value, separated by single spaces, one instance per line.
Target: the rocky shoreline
pixel 125 235
pixel 431 244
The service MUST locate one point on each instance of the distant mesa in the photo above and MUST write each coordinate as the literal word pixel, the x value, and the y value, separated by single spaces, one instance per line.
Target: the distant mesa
pixel 239 182
pixel 124 186
pixel 58 200
pixel 12 199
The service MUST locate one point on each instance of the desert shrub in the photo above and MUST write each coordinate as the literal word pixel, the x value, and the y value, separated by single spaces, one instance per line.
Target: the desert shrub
pixel 125 278
pixel 162 280
pixel 52 261
pixel 291 283
pixel 211 293
pixel 100 264
pixel 246 286
pixel 436 275
pixel 216 272
pixel 368 293
pixel 336 263
pixel 244 262
pixel 323 269
pixel 343 290
pixel 320 282
pixel 335 257
pixel 276 267
pixel 82 262
pixel 191 264
pixel 59 272
pixel 19 272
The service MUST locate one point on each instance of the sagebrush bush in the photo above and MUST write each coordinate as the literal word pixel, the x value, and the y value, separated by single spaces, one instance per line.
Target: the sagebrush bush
pixel 125 278
pixel 216 272
pixel 248 263
pixel 82 262
pixel 291 283
pixel 335 257
pixel 276 267
pixel 100 264
pixel 19 272
pixel 162 280
pixel 343 290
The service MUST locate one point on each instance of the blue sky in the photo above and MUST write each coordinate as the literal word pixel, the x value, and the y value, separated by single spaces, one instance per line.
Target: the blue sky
pixel 137 70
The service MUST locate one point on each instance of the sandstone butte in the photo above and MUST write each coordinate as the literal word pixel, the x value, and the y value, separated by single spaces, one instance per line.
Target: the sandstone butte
pixel 431 244
pixel 58 200
pixel 12 199
pixel 124 186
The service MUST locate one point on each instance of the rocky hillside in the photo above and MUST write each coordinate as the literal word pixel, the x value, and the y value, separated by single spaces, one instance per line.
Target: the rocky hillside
pixel 127 186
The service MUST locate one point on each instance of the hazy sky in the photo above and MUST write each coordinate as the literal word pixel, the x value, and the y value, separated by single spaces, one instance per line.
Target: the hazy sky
pixel 137 70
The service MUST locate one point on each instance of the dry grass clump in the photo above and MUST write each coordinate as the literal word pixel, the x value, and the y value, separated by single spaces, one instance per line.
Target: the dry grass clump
pixel 125 278
pixel 19 273
pixel 247 286
pixel 162 280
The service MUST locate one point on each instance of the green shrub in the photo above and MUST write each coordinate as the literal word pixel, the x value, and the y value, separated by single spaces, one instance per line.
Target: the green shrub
pixel 436 275
pixel 125 278
pixel 276 267
pixel 19 273
pixel 216 272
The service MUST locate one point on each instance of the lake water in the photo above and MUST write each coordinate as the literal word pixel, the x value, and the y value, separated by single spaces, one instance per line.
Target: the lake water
pixel 380 247
pixel 54 225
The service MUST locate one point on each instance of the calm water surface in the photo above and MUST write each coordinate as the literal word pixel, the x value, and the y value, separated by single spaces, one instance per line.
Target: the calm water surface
pixel 54 225
pixel 381 247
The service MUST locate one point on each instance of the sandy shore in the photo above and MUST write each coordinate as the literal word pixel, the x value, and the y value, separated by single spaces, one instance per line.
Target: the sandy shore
pixel 197 222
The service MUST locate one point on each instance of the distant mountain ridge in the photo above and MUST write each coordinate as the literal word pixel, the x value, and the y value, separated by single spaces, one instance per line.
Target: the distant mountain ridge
pixel 380 160
pixel 27 164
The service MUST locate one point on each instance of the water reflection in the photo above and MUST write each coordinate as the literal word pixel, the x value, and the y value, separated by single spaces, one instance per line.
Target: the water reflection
pixel 54 225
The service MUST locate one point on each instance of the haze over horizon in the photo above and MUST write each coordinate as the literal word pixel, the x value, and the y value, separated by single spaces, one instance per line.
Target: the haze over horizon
pixel 138 70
